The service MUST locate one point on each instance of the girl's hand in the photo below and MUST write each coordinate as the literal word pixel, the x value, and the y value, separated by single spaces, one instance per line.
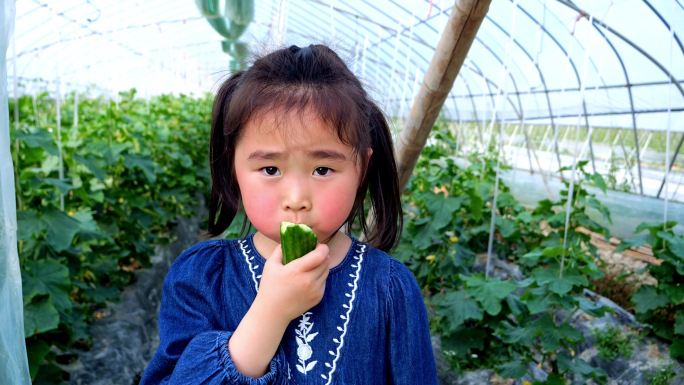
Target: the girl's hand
pixel 292 289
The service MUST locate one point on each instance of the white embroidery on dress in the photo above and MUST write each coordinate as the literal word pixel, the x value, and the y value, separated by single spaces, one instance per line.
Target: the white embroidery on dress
pixel 248 259
pixel 304 351
pixel 348 306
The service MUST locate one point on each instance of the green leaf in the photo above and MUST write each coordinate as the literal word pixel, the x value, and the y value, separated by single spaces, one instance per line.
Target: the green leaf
pixel 476 204
pixel 648 226
pixel 39 139
pixel 465 339
pixel 40 316
pixel 553 251
pixel 525 217
pixel 423 237
pixel 92 165
pixel 634 242
pixel 599 181
pixel 441 209
pixel 87 223
pixel 675 243
pixel 675 292
pixel 540 304
pixel 648 298
pixel 569 333
pixel 513 369
pixel 29 224
pixel 574 365
pixel 552 379
pixel 677 348
pixel 489 292
pixel 144 164
pixel 61 184
pixel 506 227
pixel 557 284
pixel 49 277
pixel 600 207
pixel 61 228
pixel 679 323
pixel 37 350
pixel 563 285
pixel 458 307
pixel 531 258
pixel 102 294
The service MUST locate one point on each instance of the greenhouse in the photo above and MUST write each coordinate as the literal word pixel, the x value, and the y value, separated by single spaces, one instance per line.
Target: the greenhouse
pixel 534 156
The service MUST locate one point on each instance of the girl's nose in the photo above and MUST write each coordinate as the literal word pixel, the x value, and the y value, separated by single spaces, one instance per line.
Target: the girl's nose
pixel 296 197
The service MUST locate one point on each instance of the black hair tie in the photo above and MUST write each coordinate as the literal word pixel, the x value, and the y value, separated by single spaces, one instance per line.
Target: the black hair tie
pixel 294 48
pixel 307 52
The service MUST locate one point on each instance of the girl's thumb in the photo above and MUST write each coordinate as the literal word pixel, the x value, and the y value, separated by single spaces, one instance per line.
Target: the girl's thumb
pixel 277 255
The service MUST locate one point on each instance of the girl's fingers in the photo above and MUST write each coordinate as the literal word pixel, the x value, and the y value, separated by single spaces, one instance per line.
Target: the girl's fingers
pixel 277 255
pixel 313 259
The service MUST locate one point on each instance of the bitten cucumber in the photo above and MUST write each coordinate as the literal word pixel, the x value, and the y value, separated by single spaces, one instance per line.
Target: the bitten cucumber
pixel 296 239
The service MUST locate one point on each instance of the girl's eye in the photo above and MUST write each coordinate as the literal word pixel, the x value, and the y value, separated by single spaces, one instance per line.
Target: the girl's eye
pixel 322 171
pixel 270 171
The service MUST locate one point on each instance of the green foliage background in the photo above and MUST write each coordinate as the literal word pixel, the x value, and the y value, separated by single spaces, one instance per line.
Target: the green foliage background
pixel 132 167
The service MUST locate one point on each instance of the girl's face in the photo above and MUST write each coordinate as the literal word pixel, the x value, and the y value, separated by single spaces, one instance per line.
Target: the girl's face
pixel 295 169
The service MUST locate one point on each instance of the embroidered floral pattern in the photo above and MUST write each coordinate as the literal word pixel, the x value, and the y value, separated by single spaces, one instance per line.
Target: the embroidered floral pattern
pixel 345 315
pixel 248 259
pixel 304 337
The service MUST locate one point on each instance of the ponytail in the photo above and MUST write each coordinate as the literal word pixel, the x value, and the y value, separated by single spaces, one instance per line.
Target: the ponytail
pixel 382 183
pixel 225 193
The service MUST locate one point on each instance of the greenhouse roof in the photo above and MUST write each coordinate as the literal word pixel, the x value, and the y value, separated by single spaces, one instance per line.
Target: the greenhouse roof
pixel 531 60
pixel 554 64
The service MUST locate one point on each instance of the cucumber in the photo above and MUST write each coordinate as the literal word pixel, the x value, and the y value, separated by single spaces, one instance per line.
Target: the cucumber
pixel 296 240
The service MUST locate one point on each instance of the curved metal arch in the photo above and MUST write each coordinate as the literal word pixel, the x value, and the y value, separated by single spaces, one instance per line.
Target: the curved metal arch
pixel 422 21
pixel 510 75
pixel 662 19
pixel 412 37
pixel 350 38
pixel 631 104
pixel 577 77
pixel 661 67
pixel 489 82
pixel 472 102
pixel 404 42
pixel 521 114
pixel 478 71
pixel 376 73
pixel 681 47
pixel 546 91
pixel 602 24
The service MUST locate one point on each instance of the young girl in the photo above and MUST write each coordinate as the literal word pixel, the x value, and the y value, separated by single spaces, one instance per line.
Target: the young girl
pixel 295 138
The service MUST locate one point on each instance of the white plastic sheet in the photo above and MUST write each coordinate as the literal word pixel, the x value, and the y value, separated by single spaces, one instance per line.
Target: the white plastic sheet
pixel 13 362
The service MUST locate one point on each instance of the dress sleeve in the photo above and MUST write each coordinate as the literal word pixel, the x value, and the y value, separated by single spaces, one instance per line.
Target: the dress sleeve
pixel 193 348
pixel 411 360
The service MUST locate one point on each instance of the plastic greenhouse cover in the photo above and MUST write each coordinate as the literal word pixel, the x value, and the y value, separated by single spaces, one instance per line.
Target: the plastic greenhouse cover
pixel 631 47
pixel 13 362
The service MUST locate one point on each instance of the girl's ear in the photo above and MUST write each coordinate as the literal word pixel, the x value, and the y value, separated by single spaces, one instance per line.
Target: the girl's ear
pixel 364 161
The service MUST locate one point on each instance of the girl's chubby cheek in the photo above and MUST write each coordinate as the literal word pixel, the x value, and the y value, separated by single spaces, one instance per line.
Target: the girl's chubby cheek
pixel 332 213
pixel 262 211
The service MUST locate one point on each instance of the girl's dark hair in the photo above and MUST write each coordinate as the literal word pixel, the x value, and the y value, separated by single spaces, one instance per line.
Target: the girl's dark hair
pixel 295 79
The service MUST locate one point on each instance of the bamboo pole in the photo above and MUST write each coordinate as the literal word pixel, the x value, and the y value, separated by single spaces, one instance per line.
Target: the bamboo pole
pixel 456 39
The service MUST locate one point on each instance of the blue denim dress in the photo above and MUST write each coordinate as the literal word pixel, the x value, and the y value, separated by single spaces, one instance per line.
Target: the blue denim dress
pixel 371 327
